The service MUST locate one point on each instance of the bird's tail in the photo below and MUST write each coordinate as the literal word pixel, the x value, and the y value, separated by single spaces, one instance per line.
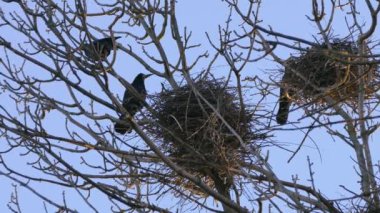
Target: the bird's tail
pixel 283 110
pixel 122 128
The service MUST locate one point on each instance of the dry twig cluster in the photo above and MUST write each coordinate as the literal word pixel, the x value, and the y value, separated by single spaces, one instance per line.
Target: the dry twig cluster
pixel 193 133
pixel 321 71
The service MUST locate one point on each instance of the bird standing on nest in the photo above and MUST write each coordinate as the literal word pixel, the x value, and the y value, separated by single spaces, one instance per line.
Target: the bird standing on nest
pixel 132 103
pixel 100 49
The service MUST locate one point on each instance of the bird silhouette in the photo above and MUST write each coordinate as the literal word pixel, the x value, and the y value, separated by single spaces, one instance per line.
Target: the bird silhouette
pixel 100 49
pixel 284 106
pixel 132 103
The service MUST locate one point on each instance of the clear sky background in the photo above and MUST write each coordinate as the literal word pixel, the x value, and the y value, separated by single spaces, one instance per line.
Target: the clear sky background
pixel 333 160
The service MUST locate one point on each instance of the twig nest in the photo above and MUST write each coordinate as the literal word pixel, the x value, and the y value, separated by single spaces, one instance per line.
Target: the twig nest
pixel 319 72
pixel 194 134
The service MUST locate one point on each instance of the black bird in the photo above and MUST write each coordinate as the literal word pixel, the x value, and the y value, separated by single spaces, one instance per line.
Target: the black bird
pixel 99 49
pixel 287 93
pixel 284 102
pixel 132 103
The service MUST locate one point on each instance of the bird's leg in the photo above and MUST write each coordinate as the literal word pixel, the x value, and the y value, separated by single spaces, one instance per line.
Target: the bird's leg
pixel 105 76
pixel 106 80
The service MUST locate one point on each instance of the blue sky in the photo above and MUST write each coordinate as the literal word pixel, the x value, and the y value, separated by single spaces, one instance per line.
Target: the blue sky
pixel 333 163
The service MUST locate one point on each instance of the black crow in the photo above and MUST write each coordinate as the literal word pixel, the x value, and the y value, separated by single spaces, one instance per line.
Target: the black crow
pixel 99 49
pixel 132 103
pixel 284 106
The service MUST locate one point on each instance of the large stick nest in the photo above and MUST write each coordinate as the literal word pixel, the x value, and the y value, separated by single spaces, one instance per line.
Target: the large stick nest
pixel 195 136
pixel 319 72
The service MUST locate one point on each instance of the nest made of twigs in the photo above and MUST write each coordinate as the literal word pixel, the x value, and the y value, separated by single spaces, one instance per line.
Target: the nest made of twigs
pixel 319 72
pixel 196 137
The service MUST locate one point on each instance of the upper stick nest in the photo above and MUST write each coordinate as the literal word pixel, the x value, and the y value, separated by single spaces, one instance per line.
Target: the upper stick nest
pixel 194 133
pixel 319 72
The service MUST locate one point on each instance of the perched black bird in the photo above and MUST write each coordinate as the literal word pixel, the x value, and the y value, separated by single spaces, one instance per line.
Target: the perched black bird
pixel 132 103
pixel 283 109
pixel 287 93
pixel 99 49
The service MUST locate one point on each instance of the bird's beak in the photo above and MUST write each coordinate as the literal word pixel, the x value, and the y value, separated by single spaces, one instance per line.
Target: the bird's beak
pixel 147 76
